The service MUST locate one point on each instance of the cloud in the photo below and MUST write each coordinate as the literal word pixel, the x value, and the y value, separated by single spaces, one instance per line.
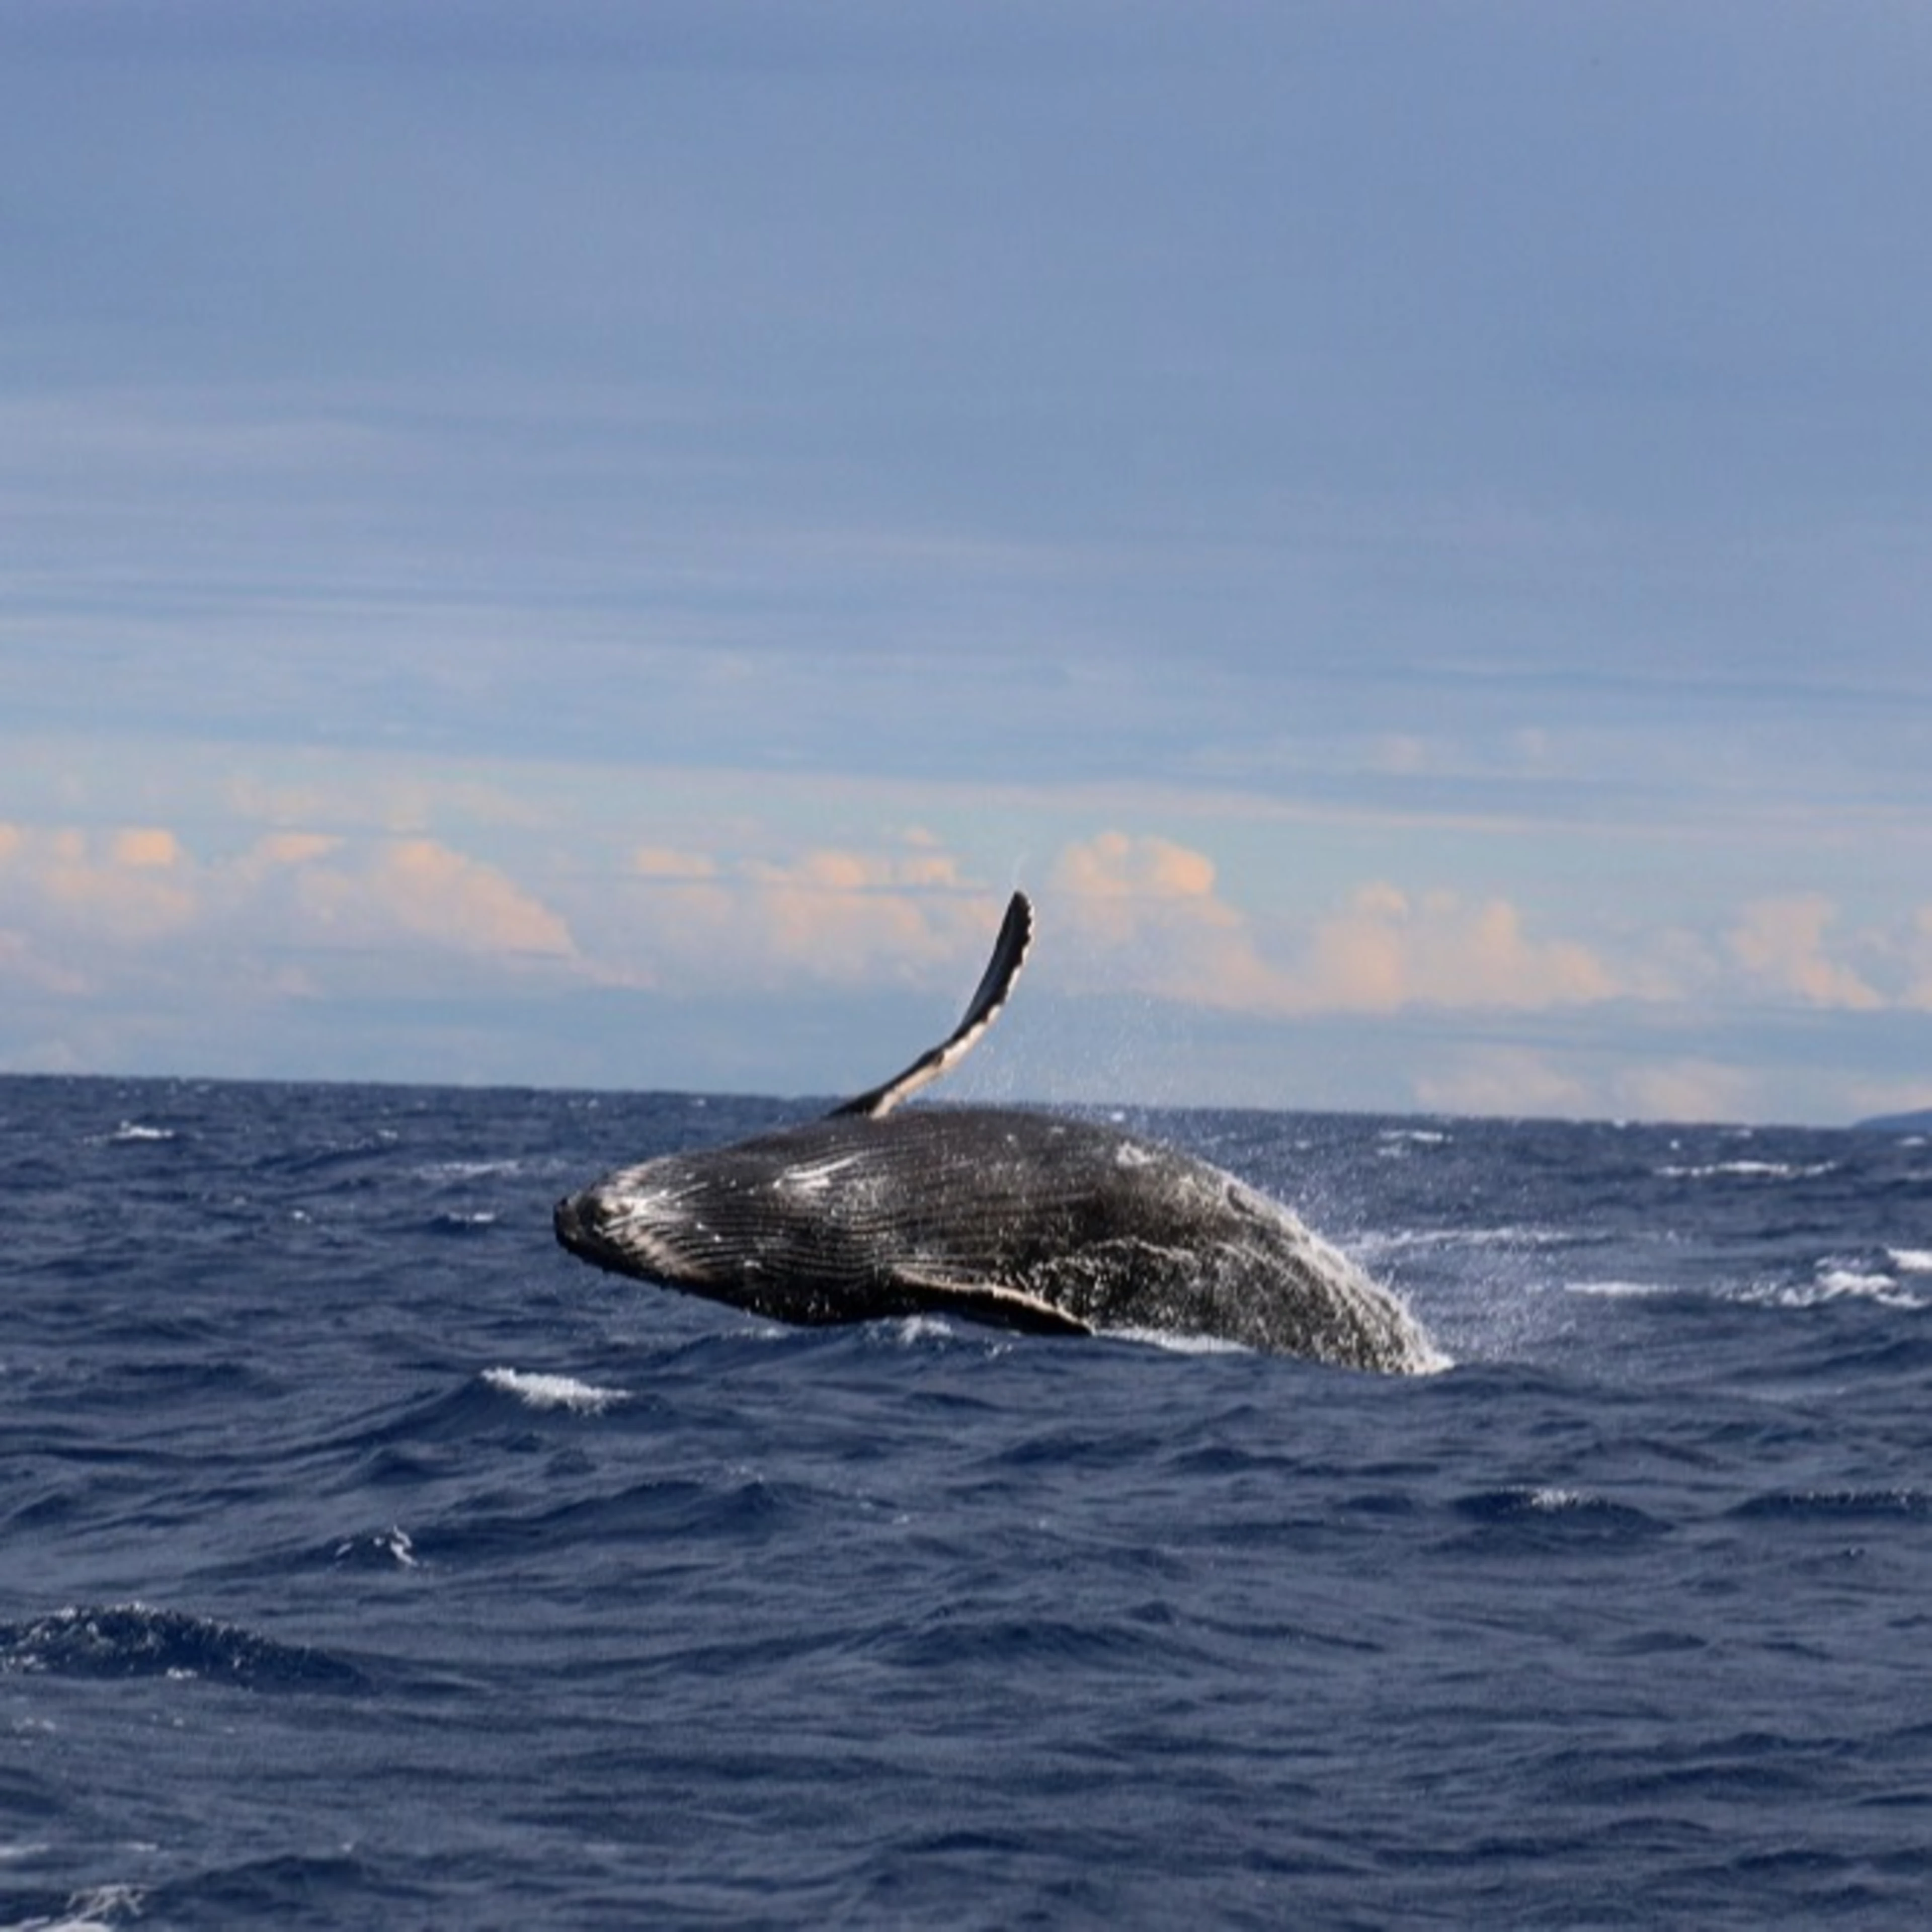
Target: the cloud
pixel 1903 1096
pixel 139 918
pixel 1509 1081
pixel 1919 952
pixel 145 848
pixel 136 887
pixel 1387 949
pixel 427 891
pixel 1383 951
pixel 1781 942
pixel 1684 1090
pixel 864 912
pixel 22 963
pixel 131 885
pixel 293 848
pixel 664 862
pixel 906 913
pixel 1146 916
pixel 1518 1081
pixel 1114 867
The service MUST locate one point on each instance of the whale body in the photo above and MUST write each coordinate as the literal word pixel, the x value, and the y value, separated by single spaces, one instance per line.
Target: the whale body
pixel 1023 1218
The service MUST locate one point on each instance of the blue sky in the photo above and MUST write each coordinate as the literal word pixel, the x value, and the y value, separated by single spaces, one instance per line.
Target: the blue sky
pixel 594 544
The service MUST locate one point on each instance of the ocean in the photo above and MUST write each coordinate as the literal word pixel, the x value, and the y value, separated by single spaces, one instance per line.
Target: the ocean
pixel 366 1560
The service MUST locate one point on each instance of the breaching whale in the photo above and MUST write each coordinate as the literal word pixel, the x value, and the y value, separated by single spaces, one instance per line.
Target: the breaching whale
pixel 1025 1219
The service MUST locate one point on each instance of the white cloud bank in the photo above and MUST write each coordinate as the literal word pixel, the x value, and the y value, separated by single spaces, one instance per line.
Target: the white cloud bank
pixel 88 919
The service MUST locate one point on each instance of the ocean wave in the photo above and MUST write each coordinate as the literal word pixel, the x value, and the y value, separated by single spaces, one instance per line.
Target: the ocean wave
pixel 724 1647
pixel 1813 1505
pixel 1533 1516
pixel 100 1908
pixel 1750 1170
pixel 1835 1281
pixel 1505 1235
pixel 135 1640
pixel 392 1545
pixel 473 1222
pixel 467 1170
pixel 1619 1291
pixel 549 1391
pixel 919 1331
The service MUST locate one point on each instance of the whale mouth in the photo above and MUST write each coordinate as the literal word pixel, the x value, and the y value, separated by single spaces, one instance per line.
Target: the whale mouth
pixel 575 1222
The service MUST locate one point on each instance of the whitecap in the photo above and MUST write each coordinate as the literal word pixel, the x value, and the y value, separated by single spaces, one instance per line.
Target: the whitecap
pixel 1834 1284
pixel 139 1130
pixel 543 1391
pixel 911 1330
pixel 1837 1281
pixel 1553 1500
pixel 394 1542
pixel 1912 1260
pixel 1506 1236
pixel 1750 1170
pixel 99 1908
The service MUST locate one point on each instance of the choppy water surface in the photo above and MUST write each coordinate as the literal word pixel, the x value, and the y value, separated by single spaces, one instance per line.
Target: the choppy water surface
pixel 364 1559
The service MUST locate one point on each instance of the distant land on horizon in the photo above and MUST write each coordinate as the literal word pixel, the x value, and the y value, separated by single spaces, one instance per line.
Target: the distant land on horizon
pixel 1919 1122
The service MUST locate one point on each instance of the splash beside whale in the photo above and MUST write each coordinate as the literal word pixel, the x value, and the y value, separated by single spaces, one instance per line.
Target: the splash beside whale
pixel 1025 1219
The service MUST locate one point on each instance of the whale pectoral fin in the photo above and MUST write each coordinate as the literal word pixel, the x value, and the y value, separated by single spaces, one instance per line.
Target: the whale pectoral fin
pixel 1009 953
pixel 992 1302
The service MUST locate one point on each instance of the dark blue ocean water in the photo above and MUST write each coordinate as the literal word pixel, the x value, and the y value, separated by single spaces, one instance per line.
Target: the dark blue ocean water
pixel 368 1560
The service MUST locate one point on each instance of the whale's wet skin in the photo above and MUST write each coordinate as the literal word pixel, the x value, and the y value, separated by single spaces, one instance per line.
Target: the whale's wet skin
pixel 1027 1219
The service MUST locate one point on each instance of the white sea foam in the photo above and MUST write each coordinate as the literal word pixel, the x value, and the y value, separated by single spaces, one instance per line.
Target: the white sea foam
pixel 138 1130
pixel 466 1170
pixel 1912 1260
pixel 1506 1236
pixel 1836 1284
pixel 1616 1291
pixel 1845 1281
pixel 913 1329
pixel 394 1542
pixel 541 1391
pixel 1750 1170
pixel 1553 1500
pixel 101 1908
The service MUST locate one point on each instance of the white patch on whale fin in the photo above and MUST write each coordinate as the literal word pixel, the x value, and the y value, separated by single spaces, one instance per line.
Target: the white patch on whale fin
pixel 992 1301
pixel 1003 970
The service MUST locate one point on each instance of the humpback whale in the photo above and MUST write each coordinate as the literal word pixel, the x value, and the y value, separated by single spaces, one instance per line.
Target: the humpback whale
pixel 1019 1217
